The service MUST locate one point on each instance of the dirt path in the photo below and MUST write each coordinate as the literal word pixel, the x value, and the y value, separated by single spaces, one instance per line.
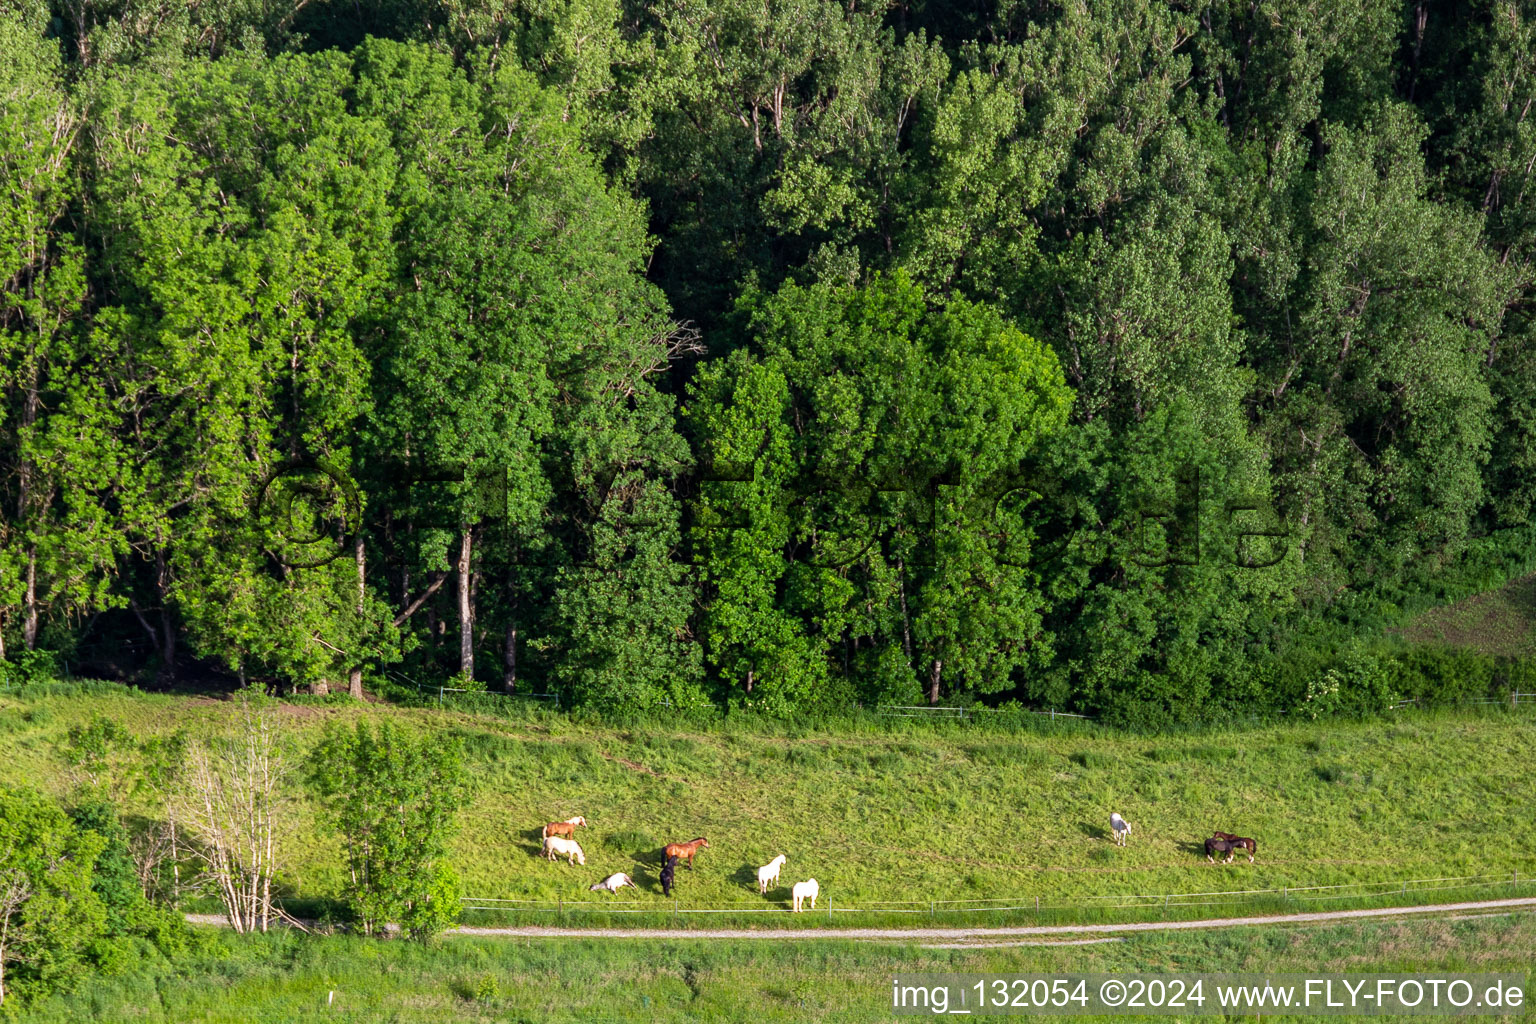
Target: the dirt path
pixel 954 934
pixel 535 931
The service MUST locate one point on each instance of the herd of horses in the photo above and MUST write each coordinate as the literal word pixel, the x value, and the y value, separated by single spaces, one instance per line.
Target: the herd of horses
pixel 560 841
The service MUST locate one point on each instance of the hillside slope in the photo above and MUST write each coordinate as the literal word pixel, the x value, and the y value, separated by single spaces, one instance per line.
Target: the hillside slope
pixel 910 814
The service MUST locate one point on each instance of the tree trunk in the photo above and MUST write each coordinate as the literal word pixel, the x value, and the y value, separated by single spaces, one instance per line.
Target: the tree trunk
pixel 29 623
pixel 509 676
pixel 168 644
pixel 906 620
pixel 466 609
pixel 355 677
pixel 24 507
pixel 933 682
pixel 167 629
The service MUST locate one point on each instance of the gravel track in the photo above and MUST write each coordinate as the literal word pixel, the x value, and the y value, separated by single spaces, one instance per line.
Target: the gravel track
pixel 958 934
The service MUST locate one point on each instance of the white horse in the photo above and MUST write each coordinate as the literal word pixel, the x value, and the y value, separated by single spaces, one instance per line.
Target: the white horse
pixel 768 874
pixel 803 891
pixel 1120 827
pixel 554 845
pixel 613 883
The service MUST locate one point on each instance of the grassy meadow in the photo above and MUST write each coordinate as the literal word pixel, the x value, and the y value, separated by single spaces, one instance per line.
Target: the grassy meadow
pixel 290 978
pixel 883 811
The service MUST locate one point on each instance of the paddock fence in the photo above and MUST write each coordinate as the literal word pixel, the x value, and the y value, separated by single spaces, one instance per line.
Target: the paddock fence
pixel 1295 898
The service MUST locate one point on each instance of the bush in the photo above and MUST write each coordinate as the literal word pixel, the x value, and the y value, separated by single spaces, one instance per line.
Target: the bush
pixel 395 801
pixel 53 925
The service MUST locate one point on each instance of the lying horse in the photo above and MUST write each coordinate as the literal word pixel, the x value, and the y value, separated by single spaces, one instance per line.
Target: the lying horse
pixel 613 883
pixel 1239 843
pixel 666 876
pixel 768 874
pixel 565 828
pixel 686 850
pixel 1215 846
pixel 555 846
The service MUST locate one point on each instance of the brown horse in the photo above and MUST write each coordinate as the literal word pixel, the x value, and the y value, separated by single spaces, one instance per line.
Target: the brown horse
pixel 565 828
pixel 686 851
pixel 1239 843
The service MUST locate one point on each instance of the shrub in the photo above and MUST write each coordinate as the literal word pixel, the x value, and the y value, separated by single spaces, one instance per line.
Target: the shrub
pixel 395 802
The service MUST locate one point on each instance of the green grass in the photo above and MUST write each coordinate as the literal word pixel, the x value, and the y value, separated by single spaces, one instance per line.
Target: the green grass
pixel 289 978
pixel 1498 622
pixel 914 811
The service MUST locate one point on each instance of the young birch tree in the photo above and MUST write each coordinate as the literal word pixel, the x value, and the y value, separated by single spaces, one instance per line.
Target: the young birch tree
pixel 233 795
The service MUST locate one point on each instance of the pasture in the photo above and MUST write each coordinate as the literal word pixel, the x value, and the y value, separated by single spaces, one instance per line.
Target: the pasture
pixel 290 978
pixel 906 811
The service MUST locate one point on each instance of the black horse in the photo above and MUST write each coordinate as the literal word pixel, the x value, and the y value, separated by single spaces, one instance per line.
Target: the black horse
pixel 1214 846
pixel 666 875
pixel 1239 843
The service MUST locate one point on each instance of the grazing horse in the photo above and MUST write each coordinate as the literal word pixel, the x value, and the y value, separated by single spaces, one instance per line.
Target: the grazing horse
pixel 686 850
pixel 554 846
pixel 613 883
pixel 1239 843
pixel 1214 846
pixel 565 828
pixel 1120 827
pixel 803 891
pixel 768 874
pixel 666 876
pixel 1244 843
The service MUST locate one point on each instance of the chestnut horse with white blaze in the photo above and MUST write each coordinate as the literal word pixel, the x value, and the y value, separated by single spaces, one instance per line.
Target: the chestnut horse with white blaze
pixel 686 851
pixel 565 828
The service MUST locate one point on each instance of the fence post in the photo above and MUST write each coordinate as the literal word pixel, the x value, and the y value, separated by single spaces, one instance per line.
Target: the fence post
pixel 1165 906
pixel 1037 903
pixel 561 912
pixel 930 910
pixel 1514 882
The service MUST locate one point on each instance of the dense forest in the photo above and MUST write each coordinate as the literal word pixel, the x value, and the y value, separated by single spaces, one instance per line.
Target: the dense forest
pixel 1138 358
